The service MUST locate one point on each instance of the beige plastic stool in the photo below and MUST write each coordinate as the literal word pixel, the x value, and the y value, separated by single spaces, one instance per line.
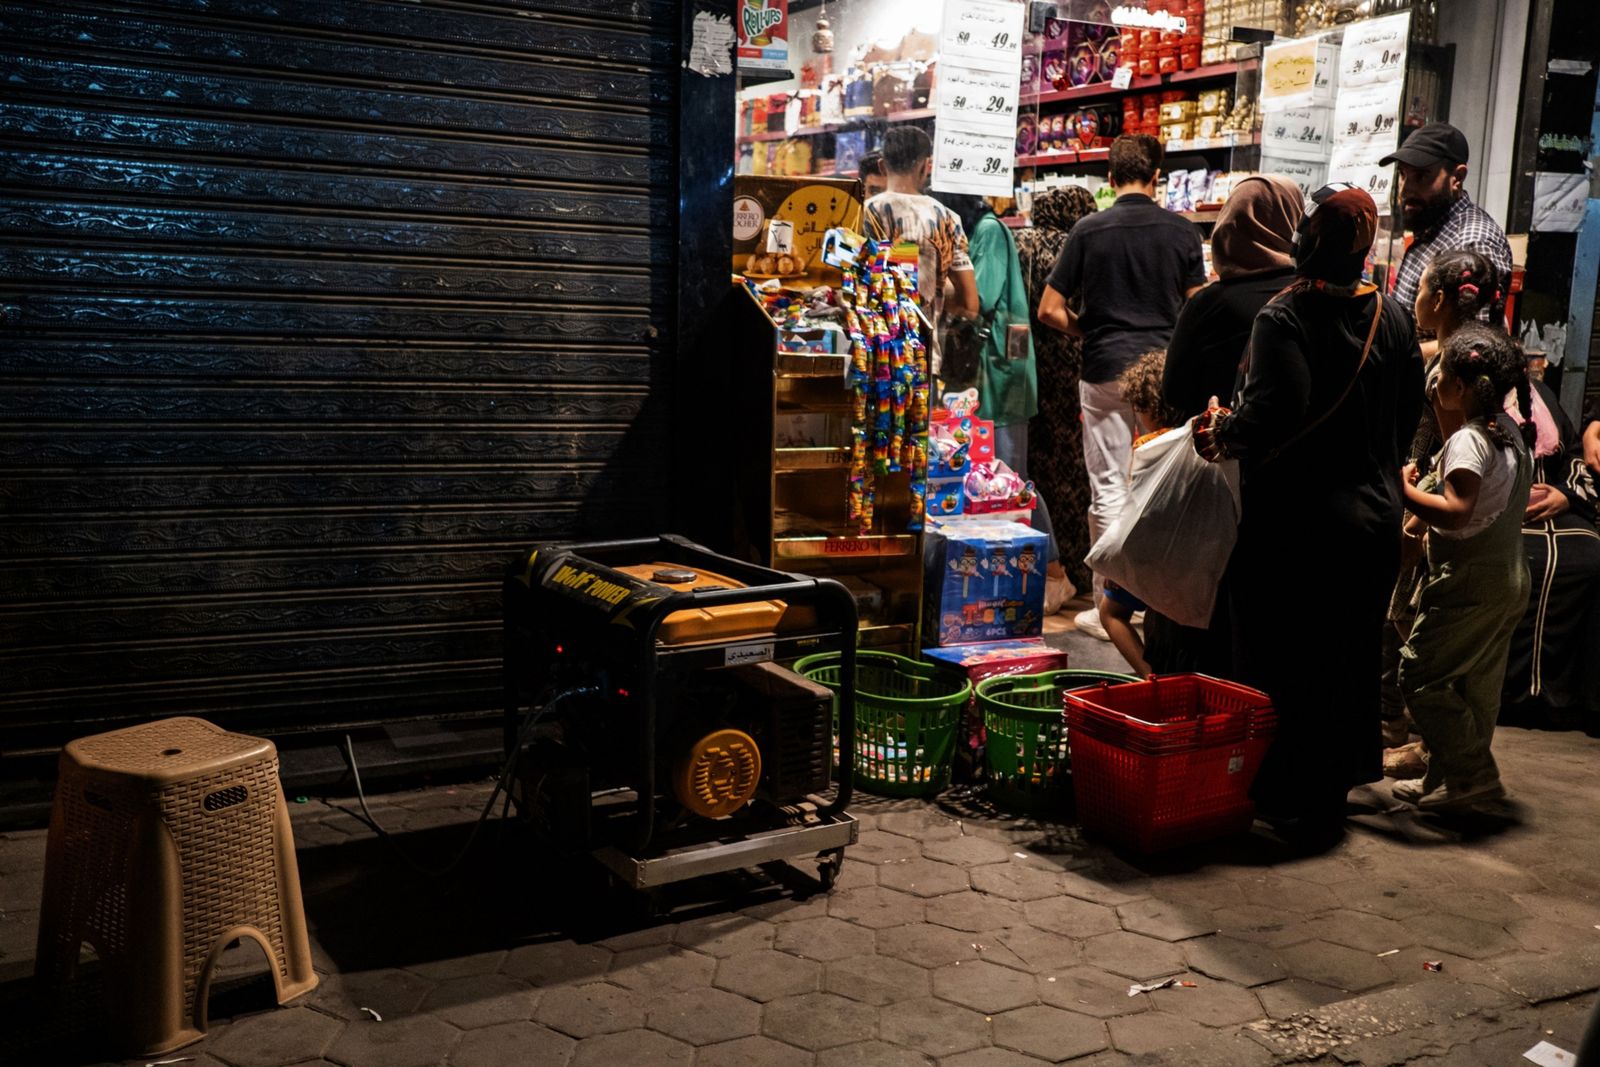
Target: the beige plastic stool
pixel 167 841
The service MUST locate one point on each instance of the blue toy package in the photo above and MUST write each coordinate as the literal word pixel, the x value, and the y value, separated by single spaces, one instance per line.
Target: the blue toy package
pixel 986 581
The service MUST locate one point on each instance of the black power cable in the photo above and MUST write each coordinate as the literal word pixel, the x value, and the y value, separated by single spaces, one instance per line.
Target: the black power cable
pixel 502 783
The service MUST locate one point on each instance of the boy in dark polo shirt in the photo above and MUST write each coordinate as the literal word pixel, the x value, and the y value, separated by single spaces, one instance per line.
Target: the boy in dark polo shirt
pixel 1129 269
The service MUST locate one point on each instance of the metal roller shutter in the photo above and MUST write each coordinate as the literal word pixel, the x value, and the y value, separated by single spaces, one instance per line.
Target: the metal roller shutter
pixel 315 311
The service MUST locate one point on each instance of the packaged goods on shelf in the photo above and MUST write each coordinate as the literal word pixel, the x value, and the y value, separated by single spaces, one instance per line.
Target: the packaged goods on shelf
pixel 1213 102
pixel 1177 131
pixel 1208 126
pixel 1177 111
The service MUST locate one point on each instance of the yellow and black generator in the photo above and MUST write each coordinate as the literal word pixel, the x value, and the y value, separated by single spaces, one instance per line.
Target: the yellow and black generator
pixel 651 723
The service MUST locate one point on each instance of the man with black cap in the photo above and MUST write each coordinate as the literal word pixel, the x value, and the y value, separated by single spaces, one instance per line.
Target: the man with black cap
pixel 1432 164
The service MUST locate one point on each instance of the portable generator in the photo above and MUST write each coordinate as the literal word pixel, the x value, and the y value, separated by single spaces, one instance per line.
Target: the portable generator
pixel 650 722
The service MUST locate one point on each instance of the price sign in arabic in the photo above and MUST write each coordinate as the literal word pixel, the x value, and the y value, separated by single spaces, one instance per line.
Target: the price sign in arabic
pixel 1298 133
pixel 1374 52
pixel 985 99
pixel 973 161
pixel 981 33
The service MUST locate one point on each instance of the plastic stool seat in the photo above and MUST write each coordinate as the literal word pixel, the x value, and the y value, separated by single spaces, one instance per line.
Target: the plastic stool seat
pixel 168 840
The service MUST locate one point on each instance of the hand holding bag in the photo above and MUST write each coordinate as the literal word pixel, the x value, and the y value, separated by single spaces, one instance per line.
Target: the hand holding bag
pixel 1173 540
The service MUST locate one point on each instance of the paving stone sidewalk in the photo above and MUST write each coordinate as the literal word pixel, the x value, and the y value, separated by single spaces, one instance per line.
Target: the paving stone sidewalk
pixel 957 935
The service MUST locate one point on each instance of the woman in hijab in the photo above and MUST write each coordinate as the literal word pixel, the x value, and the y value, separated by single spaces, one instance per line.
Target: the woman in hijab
pixel 1055 442
pixel 1331 396
pixel 1250 249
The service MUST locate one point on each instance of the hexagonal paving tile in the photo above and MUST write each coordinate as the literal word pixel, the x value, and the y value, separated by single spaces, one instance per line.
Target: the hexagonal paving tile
pixel 704 1016
pixel 723 935
pixel 786 908
pixel 1164 921
pixel 1049 1033
pixel 1101 886
pixel 1244 962
pixel 1289 894
pixel 1323 870
pixel 586 1010
pixel 922 877
pixel 875 979
pixel 632 1046
pixel 875 907
pixel 819 1020
pixel 1263 925
pixel 824 939
pixel 936 1027
pixel 1005 1057
pixel 871 1054
pixel 1460 935
pixel 1018 881
pixel 661 968
pixel 557 963
pixel 418 1041
pixel 875 846
pixel 1071 917
pixel 481 1000
pixel 644 937
pixel 1133 955
pixel 496 1046
pixel 1361 930
pixel 389 991
pixel 276 1037
pixel 984 986
pixel 927 945
pixel 974 912
pixel 1295 995
pixel 460 966
pixel 919 824
pixel 1389 901
pixel 752 1052
pixel 1090 992
pixel 1154 1031
pixel 1334 965
pixel 1039 951
pixel 966 851
pixel 1211 1004
pixel 767 975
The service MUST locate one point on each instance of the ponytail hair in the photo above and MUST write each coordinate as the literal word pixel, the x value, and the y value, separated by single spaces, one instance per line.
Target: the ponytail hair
pixel 1468 281
pixel 1491 365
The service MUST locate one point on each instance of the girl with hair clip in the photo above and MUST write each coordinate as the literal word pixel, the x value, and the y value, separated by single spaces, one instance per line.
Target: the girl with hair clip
pixel 1454 288
pixel 1476 591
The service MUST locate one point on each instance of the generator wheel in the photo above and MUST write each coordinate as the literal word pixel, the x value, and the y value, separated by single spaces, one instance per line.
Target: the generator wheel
pixel 828 866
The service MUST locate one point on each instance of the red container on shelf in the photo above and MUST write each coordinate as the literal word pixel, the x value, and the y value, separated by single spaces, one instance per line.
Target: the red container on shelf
pixel 1189 57
pixel 1167 761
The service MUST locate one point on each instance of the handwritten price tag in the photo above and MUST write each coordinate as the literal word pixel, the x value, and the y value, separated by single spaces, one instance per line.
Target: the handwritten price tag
pixel 981 33
pixel 1122 78
pixel 973 161
pixel 979 98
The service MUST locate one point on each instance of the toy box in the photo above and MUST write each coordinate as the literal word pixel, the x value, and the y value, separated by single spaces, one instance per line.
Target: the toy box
pixel 986 582
pixel 990 658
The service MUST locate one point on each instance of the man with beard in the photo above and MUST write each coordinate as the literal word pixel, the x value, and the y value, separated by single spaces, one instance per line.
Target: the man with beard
pixel 1432 164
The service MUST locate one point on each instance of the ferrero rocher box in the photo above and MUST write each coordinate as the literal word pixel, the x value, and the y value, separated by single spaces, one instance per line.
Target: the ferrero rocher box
pixel 813 206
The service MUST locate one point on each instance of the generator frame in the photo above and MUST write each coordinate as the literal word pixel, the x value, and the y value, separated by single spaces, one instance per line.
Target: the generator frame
pixel 816 826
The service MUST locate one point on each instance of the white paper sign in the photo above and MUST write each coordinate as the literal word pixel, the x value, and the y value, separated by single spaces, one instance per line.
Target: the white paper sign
pixel 1122 78
pixel 1374 52
pixel 1309 175
pixel 981 33
pixel 973 161
pixel 1559 201
pixel 1377 181
pixel 972 97
pixel 1297 133
pixel 1368 113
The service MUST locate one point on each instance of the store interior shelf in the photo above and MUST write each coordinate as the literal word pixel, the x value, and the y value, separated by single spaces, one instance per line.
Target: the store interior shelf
pixel 801 365
pixel 1100 155
pixel 1094 92
pixel 788 460
pixel 793 547
pixel 912 115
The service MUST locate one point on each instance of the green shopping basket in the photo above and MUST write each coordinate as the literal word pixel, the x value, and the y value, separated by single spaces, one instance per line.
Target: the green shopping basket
pixel 906 719
pixel 1025 743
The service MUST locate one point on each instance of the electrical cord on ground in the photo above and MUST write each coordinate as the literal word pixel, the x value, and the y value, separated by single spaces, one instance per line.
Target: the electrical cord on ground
pixel 507 774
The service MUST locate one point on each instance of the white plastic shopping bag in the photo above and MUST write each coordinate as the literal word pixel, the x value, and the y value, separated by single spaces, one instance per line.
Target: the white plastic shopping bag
pixel 1172 542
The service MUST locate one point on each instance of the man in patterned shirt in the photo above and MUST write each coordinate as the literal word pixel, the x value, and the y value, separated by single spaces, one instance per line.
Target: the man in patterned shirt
pixel 1438 211
pixel 905 213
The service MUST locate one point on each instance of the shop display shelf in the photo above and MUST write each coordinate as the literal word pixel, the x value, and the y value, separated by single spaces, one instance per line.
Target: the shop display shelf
pixel 843 546
pixel 1094 155
pixel 797 365
pixel 1105 89
pixel 789 460
pixel 912 115
pixel 1047 159
pixel 1214 144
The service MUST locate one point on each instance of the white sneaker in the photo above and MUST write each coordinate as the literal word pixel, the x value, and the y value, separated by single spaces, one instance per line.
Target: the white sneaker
pixel 1087 621
pixel 1057 591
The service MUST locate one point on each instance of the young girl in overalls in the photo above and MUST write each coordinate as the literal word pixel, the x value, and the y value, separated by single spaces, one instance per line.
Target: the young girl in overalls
pixel 1477 586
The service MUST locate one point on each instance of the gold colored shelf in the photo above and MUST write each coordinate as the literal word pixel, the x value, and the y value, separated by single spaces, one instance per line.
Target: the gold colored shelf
pixel 873 545
pixel 789 460
pixel 796 365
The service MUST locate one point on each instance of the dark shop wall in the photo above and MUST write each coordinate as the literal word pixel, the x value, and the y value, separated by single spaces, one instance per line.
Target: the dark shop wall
pixel 316 311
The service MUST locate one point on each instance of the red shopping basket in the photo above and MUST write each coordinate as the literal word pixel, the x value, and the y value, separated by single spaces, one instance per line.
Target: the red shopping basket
pixel 1167 761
